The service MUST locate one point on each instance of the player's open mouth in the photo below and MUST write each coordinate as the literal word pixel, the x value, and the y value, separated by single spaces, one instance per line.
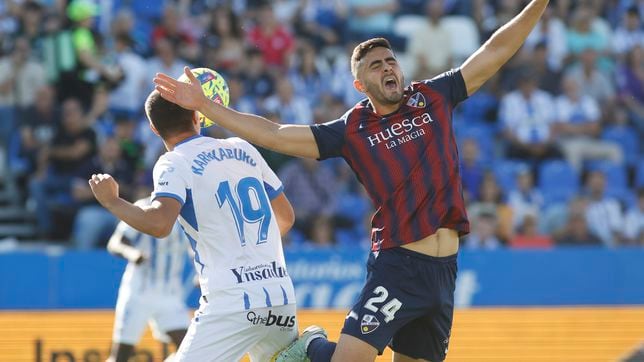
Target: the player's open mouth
pixel 391 83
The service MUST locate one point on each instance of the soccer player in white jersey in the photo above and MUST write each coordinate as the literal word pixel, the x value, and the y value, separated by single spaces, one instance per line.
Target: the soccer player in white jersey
pixel 152 288
pixel 233 210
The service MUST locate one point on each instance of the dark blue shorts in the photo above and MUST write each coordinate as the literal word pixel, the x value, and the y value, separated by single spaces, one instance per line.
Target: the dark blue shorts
pixel 407 303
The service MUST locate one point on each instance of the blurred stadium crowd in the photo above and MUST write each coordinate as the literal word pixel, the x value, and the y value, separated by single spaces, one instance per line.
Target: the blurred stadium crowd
pixel 551 148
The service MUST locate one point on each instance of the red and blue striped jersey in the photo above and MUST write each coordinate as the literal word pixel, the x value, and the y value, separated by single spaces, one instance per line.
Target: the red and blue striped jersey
pixel 407 160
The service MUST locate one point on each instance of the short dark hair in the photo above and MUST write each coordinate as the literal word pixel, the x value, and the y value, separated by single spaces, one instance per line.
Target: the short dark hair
pixel 361 50
pixel 167 117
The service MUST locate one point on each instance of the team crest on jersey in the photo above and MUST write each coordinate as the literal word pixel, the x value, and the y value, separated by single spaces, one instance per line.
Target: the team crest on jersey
pixel 417 101
pixel 368 324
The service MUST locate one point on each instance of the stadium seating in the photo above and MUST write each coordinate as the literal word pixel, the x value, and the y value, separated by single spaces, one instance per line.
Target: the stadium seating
pixel 464 34
pixel 506 172
pixel 558 181
pixel 627 139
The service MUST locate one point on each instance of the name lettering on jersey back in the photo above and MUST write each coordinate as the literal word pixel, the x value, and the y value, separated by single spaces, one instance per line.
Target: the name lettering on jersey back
pixel 202 160
pixel 258 272
pixel 408 128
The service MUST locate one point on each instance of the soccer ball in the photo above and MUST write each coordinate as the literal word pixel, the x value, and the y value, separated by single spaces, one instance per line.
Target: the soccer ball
pixel 214 87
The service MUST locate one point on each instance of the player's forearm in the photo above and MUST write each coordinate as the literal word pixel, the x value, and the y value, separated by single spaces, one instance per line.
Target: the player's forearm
pixel 295 140
pixel 145 220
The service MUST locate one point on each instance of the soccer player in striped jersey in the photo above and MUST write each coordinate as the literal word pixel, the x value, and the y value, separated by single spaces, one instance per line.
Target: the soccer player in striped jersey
pixel 233 211
pixel 152 288
pixel 400 144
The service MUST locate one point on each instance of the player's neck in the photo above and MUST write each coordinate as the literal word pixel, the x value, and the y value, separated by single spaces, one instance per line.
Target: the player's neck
pixel 172 141
pixel 383 109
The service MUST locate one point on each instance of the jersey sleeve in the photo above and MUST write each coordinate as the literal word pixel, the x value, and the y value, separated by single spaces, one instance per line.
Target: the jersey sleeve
pixel 451 85
pixel 170 177
pixel 330 137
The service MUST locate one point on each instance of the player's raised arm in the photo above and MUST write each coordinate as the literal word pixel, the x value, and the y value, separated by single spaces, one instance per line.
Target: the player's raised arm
pixel 156 220
pixel 295 140
pixel 489 58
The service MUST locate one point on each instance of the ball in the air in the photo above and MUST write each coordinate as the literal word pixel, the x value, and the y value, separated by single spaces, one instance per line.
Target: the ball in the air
pixel 214 87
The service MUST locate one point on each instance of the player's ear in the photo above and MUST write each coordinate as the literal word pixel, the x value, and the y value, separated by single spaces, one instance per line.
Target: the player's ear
pixel 358 86
pixel 195 120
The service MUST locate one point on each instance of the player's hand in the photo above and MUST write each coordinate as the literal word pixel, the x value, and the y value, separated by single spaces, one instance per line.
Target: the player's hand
pixel 104 188
pixel 187 95
pixel 140 258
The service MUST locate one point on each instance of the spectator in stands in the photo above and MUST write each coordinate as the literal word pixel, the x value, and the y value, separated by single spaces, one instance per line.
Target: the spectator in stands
pixel 258 82
pixel 629 34
pixel 576 232
pixel 585 33
pixel 630 83
pixel 528 235
pixel 525 200
pixel 31 25
pixel 578 126
pixel 549 77
pixel 90 68
pixel 131 149
pixel 311 188
pixel 592 81
pixel 550 33
pixel 322 232
pixel 93 224
pixel 240 100
pixel 483 231
pixel 273 39
pixel 73 146
pixel 171 29
pixel 370 18
pixel 19 76
pixel 321 22
pixel 128 95
pixel 429 46
pixel 291 108
pixel 225 38
pixel 527 115
pixel 123 25
pixel 165 60
pixel 472 169
pixel 491 199
pixel 604 214
pixel 634 221
pixel 37 126
pixel 309 80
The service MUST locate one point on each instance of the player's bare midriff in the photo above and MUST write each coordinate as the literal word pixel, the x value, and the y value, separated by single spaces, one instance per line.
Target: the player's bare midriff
pixel 442 243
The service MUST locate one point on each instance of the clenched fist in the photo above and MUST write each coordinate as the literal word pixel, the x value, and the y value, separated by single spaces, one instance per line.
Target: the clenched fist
pixel 105 188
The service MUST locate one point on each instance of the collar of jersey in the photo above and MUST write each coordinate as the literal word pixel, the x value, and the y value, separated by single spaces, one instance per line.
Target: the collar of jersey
pixel 187 139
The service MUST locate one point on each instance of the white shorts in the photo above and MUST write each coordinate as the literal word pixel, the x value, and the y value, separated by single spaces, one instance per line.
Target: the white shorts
pixel 217 336
pixel 164 313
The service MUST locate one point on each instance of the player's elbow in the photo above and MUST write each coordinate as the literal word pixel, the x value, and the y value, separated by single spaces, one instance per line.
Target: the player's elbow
pixel 161 230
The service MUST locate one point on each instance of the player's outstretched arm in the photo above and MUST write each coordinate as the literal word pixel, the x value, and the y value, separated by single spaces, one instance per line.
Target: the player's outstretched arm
pixel 295 140
pixel 283 213
pixel 156 220
pixel 489 58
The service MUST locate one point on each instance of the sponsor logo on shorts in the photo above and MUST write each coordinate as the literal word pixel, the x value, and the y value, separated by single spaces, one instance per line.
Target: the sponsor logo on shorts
pixel 244 274
pixel 285 322
pixel 368 324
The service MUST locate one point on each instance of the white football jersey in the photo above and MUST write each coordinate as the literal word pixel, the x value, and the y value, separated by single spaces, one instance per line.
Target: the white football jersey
pixel 165 270
pixel 225 188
